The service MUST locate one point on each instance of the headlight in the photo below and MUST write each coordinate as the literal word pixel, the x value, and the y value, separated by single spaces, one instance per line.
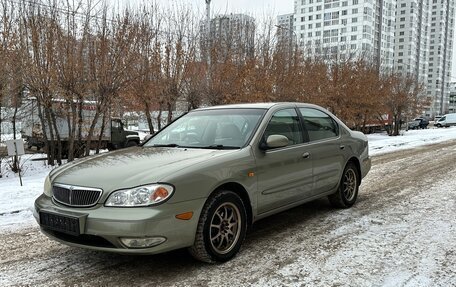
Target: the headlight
pixel 47 189
pixel 140 196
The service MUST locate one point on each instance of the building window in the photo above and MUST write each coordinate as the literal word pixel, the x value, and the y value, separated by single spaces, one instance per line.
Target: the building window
pixel 354 20
pixel 344 12
pixel 355 11
pixel 353 38
pixel 355 2
pixel 354 28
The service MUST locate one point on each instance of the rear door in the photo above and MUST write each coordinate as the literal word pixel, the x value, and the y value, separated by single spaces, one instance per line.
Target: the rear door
pixel 325 148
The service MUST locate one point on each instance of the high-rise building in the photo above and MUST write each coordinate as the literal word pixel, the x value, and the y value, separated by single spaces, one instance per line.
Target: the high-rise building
pixel 452 101
pixel 441 19
pixel 411 37
pixel 232 35
pixel 285 28
pixel 347 29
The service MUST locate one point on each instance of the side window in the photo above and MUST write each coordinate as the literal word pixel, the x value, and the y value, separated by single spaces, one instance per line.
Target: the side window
pixel 286 123
pixel 319 125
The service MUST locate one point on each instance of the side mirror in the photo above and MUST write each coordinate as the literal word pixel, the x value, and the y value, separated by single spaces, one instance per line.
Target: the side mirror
pixel 275 141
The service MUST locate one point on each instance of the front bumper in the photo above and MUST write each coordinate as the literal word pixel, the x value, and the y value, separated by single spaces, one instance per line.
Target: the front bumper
pixel 102 227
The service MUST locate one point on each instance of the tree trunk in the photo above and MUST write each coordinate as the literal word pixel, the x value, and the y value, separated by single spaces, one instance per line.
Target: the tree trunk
pixel 170 113
pixel 159 117
pixel 57 137
pixel 100 138
pixel 91 130
pixel 80 151
pixel 41 116
pixel 71 131
pixel 149 118
pixel 15 168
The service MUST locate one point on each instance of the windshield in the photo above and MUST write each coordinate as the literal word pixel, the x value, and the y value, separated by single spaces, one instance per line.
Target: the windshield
pixel 218 129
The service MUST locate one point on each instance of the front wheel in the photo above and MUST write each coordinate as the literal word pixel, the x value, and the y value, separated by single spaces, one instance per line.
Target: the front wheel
pixel 347 192
pixel 221 228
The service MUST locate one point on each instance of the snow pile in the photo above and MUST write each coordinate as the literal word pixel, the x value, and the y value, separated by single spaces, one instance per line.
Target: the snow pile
pixel 382 143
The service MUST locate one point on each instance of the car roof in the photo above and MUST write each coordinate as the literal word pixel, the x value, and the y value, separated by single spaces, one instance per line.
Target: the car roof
pixel 265 106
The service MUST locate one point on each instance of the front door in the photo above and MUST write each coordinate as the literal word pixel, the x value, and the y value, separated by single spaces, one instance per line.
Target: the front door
pixel 284 174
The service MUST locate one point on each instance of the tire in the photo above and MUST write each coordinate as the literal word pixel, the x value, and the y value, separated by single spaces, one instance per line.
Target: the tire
pixel 131 143
pixel 347 192
pixel 223 219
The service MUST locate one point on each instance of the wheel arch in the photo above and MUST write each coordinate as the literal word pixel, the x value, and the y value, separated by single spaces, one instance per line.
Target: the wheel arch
pixel 243 194
pixel 355 161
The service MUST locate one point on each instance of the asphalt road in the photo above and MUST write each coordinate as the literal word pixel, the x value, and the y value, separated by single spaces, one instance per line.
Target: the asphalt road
pixel 401 232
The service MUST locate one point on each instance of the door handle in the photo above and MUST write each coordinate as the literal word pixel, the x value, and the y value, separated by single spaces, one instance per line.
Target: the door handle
pixel 306 155
pixel 342 147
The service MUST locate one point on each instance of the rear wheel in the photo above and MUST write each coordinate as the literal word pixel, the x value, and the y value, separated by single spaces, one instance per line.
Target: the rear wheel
pixel 347 192
pixel 131 143
pixel 221 228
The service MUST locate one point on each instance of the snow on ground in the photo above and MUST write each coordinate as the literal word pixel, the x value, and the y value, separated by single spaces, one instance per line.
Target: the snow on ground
pixel 381 143
pixel 17 201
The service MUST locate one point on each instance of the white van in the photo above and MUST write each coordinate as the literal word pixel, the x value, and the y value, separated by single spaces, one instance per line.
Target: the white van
pixel 446 121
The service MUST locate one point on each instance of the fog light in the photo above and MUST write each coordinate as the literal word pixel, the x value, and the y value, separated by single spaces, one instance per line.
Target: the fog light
pixel 143 242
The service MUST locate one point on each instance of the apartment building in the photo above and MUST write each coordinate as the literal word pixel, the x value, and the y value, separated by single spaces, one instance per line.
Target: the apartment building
pixel 233 35
pixel 347 28
pixel 411 37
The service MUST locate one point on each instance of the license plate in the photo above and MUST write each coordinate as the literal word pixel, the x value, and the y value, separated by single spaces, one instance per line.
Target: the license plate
pixel 65 224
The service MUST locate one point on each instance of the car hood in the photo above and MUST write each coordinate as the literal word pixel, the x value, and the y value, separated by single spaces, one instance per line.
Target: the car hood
pixel 130 167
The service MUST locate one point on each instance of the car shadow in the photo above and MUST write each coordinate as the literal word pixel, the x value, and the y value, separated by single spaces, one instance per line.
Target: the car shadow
pixel 166 267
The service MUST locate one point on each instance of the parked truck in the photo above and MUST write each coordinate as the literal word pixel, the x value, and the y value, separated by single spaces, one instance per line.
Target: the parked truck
pixel 114 135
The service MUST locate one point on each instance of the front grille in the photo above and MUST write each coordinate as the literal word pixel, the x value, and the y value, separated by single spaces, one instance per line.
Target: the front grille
pixel 75 195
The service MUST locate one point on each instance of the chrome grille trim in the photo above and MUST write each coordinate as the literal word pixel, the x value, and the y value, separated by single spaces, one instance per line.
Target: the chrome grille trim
pixel 76 196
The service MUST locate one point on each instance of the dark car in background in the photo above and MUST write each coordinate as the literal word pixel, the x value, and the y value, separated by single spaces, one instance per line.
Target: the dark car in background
pixel 418 123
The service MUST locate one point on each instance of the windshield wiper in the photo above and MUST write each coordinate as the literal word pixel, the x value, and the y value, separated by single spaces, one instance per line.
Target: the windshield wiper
pixel 166 145
pixel 220 146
